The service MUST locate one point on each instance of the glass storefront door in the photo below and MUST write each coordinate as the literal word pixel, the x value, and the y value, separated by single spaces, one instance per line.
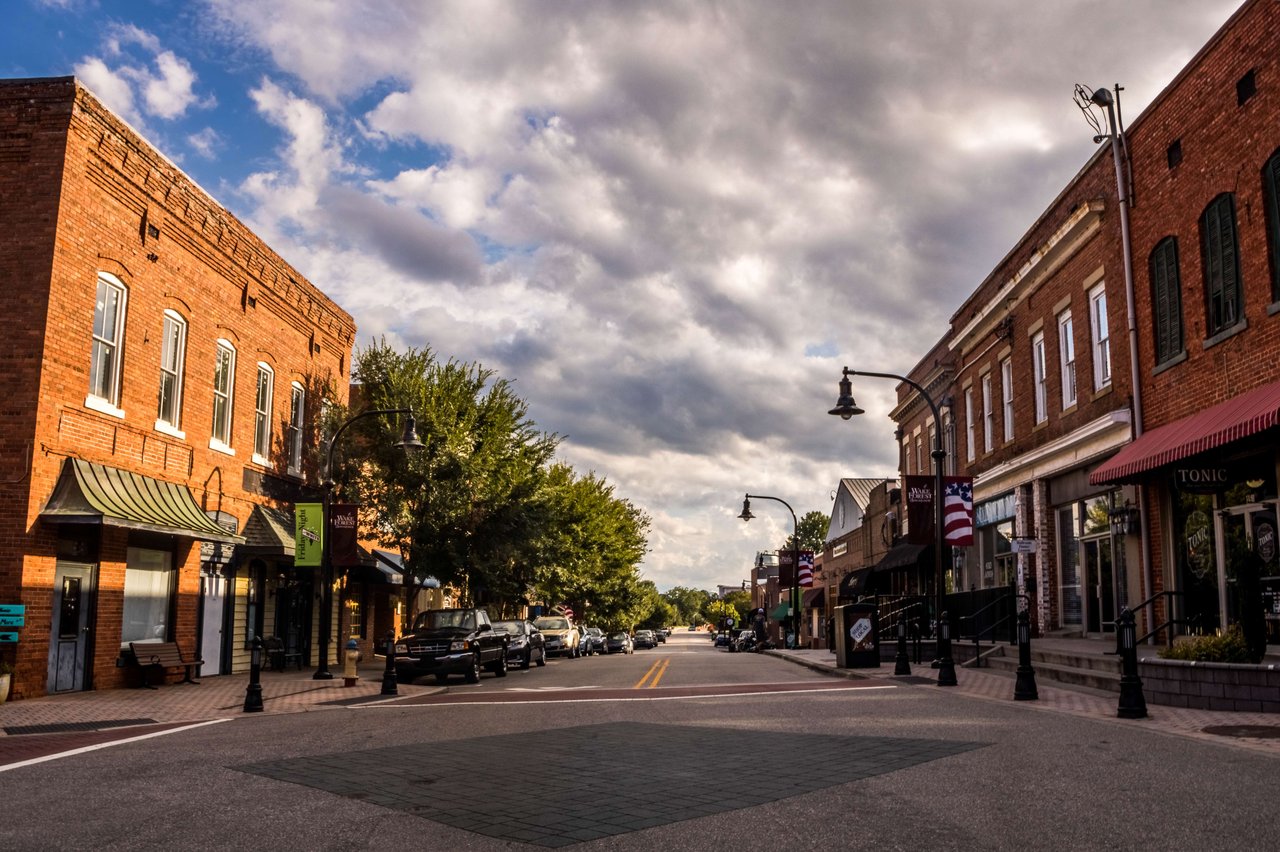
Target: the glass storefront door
pixel 1246 533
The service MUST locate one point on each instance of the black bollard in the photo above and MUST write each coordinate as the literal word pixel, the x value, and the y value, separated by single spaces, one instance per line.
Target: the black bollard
pixel 253 692
pixel 1132 703
pixel 389 676
pixel 901 666
pixel 1024 689
pixel 946 666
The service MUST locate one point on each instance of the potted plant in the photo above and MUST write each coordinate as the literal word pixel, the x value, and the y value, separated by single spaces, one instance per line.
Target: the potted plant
pixel 6 675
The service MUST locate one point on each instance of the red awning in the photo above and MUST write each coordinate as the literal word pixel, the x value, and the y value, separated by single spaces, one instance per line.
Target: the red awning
pixel 1238 417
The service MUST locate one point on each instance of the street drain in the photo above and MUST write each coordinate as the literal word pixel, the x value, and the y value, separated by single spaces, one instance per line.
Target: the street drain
pixel 1257 732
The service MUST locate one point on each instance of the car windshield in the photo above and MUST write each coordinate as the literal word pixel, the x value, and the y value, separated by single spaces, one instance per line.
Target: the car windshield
pixel 621 637
pixel 516 627
pixel 463 619
pixel 594 631
pixel 552 624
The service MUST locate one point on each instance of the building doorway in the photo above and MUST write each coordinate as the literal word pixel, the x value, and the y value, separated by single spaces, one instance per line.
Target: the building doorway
pixel 70 641
pixel 213 607
pixel 1099 584
pixel 1240 530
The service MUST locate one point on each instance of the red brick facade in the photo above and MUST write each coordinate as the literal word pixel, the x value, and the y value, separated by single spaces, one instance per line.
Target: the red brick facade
pixel 81 194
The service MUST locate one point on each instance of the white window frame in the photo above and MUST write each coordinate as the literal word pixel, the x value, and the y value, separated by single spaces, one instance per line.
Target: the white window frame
pixel 1038 377
pixel 1006 391
pixel 224 397
pixel 988 415
pixel 297 414
pixel 920 468
pixel 262 414
pixel 173 356
pixel 1100 337
pixel 108 343
pixel 970 442
pixel 1067 358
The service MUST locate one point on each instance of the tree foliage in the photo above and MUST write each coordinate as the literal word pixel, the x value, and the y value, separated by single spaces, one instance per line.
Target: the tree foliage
pixel 812 530
pixel 482 506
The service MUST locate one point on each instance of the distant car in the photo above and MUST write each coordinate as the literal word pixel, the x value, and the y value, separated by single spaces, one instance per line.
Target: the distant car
pixel 526 645
pixel 595 640
pixel 561 635
pixel 619 643
pixel 645 639
pixel 660 636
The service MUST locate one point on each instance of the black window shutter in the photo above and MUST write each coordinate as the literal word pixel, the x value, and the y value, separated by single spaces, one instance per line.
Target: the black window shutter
pixel 1271 195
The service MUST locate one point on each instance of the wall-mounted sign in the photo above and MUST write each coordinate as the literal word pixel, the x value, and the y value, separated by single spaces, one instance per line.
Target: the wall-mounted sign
pixel 13 620
pixel 1022 545
pixel 13 609
pixel 1202 480
pixel 8 637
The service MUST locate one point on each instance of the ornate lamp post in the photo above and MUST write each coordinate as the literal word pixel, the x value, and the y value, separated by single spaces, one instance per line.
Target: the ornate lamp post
pixel 795 556
pixel 408 442
pixel 846 408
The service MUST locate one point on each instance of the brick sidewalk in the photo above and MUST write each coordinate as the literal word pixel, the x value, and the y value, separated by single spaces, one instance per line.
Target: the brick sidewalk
pixel 1053 696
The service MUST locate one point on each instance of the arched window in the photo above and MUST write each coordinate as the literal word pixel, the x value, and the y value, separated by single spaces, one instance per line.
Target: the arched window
pixel 1220 250
pixel 1166 299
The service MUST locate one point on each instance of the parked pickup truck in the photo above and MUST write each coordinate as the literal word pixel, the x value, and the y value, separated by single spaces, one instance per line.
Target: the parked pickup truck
pixel 451 641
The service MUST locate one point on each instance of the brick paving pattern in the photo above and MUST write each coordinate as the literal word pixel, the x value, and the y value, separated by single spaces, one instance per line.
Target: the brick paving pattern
pixel 559 810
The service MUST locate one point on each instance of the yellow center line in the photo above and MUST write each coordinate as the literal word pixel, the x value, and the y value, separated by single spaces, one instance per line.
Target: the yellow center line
pixel 666 661
pixel 650 673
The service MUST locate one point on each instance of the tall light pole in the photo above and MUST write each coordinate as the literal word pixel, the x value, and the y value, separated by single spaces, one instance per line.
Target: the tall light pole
pixel 408 442
pixel 795 556
pixel 846 408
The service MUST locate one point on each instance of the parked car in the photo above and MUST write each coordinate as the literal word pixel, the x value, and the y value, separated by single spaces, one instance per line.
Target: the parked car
pixel 644 639
pixel 561 635
pixel 659 635
pixel 619 643
pixel 526 645
pixel 451 641
pixel 595 640
pixel 721 639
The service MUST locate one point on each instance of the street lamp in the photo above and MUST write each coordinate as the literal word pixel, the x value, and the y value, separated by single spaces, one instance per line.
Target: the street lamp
pixel 409 443
pixel 846 408
pixel 795 556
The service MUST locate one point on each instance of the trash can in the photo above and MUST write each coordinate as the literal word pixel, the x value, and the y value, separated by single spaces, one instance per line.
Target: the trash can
pixel 858 636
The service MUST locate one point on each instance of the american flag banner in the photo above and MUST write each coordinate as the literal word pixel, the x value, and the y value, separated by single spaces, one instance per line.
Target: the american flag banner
pixel 957 511
pixel 806 568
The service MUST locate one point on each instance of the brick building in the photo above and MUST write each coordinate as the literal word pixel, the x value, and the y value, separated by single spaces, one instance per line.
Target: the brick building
pixel 163 372
pixel 1136 457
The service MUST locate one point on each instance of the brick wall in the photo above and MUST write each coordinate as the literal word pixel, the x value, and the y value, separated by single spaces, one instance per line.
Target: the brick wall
pixel 94 197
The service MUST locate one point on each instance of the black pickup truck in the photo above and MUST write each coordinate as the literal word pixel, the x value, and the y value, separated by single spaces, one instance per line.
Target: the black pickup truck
pixel 451 641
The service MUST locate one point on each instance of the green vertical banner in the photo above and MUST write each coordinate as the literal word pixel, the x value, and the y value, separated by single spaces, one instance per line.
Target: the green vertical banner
pixel 308 542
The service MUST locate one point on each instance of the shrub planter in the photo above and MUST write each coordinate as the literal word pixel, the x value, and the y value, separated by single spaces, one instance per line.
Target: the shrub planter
pixel 1211 686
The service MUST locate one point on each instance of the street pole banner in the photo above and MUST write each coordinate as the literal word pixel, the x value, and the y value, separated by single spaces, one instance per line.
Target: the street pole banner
pixel 920 510
pixel 343 550
pixel 957 507
pixel 806 568
pixel 786 571
pixel 308 539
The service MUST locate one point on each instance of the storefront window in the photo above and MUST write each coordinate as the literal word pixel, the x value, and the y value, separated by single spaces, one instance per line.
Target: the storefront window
pixel 148 594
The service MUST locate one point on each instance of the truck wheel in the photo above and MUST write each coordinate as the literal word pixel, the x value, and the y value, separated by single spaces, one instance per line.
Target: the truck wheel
pixel 473 672
pixel 500 667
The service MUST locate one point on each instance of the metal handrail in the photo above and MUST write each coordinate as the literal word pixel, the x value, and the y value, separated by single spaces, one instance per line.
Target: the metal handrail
pixel 1166 625
pixel 979 633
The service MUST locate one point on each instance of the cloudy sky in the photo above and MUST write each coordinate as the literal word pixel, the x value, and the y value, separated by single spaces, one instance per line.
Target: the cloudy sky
pixel 671 223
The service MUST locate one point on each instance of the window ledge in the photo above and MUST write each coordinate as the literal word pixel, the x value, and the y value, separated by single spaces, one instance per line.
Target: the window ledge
pixel 102 406
pixel 219 447
pixel 170 430
pixel 1226 334
pixel 1103 391
pixel 1171 362
pixel 1067 409
pixel 261 460
pixel 1273 309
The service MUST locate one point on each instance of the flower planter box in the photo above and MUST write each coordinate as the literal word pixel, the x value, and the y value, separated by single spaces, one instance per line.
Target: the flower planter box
pixel 1211 686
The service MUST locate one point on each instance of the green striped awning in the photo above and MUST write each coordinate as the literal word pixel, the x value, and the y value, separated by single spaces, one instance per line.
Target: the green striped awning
pixel 89 493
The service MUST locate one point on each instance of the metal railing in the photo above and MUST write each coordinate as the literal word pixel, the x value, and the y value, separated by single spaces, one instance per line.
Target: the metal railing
pixel 1170 622
pixel 981 624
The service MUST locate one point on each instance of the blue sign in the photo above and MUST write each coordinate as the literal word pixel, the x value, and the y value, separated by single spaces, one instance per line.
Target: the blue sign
pixel 8 637
pixel 13 609
pixel 12 620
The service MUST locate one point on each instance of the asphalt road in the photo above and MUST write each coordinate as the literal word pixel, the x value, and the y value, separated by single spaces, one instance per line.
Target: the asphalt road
pixel 727 751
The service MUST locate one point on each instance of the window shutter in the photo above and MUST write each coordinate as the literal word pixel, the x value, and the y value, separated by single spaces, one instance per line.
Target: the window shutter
pixel 1229 266
pixel 1271 195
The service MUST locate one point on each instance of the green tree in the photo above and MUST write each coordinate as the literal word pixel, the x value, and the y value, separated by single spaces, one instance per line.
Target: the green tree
pixel 812 530
pixel 455 510
pixel 690 604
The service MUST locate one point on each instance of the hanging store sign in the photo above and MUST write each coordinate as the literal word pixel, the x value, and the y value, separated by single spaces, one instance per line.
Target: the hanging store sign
pixel 308 544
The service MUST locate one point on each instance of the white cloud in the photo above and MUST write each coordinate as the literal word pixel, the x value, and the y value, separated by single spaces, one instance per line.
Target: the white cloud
pixel 672 223
pixel 143 80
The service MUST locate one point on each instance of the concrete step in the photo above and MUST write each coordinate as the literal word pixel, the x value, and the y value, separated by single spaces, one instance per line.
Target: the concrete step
pixel 1101 673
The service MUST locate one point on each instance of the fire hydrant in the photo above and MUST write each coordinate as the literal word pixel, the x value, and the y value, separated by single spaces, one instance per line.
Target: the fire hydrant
pixel 349 675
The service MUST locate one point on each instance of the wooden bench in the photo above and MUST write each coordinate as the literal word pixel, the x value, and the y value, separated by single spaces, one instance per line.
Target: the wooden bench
pixel 162 655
